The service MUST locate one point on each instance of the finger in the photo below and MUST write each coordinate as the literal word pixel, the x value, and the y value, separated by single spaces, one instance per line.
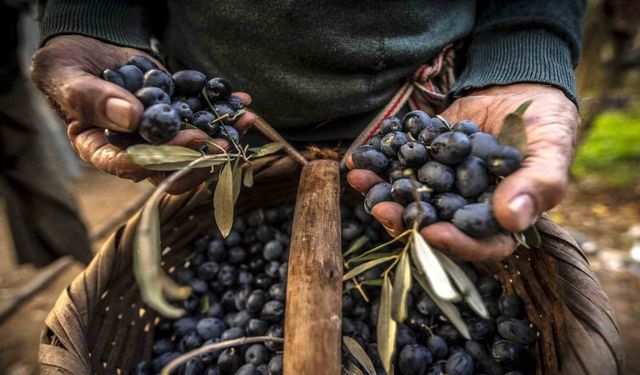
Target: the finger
pixel 92 146
pixel 350 163
pixel 84 96
pixel 449 239
pixel 191 138
pixel 246 98
pixel 389 214
pixel 245 121
pixel 541 182
pixel 362 180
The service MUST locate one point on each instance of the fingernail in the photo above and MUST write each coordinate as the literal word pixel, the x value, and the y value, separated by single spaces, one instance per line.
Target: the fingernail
pixel 118 112
pixel 522 210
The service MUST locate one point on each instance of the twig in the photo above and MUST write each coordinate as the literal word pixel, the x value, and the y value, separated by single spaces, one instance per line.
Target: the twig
pixel 273 135
pixel 184 358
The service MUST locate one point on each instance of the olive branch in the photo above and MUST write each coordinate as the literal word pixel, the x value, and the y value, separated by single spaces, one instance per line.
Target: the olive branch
pixel 440 277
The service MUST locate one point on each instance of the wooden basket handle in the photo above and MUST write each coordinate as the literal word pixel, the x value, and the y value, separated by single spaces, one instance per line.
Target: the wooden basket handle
pixel 314 286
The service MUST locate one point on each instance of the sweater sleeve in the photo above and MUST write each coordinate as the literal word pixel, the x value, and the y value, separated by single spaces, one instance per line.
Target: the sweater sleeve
pixel 523 41
pixel 119 22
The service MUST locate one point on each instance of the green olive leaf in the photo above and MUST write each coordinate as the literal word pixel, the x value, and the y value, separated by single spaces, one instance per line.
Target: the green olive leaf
pixel 386 327
pixel 356 245
pixel 223 200
pixel 428 264
pixel 268 149
pixel 401 288
pixel 149 155
pixel 359 354
pixel 532 236
pixel 247 179
pixel 513 133
pixel 447 308
pixel 520 239
pixel 465 285
pixel 370 257
pixel 366 266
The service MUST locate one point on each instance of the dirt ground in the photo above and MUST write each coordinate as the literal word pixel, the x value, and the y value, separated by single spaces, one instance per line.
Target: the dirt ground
pixel 591 209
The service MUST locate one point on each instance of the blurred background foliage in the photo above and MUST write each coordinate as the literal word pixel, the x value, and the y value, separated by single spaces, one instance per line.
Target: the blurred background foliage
pixel 609 88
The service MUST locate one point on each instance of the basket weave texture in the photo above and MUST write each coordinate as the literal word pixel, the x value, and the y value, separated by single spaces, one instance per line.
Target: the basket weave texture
pixel 100 326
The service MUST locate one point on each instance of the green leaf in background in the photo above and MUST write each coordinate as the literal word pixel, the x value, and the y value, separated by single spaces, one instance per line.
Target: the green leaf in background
pixel 428 264
pixel 523 108
pixel 150 155
pixel 465 285
pixel 247 179
pixel 268 149
pixel 386 327
pixel 447 308
pixel 532 236
pixel 513 132
pixel 359 354
pixel 223 200
pixel 401 288
pixel 365 266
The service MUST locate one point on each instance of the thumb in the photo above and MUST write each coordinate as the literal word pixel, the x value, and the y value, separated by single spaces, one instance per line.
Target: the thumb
pixel 81 94
pixel 541 182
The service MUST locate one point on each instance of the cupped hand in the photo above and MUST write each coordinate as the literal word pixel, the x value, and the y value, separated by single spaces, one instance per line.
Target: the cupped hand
pixel 67 70
pixel 551 123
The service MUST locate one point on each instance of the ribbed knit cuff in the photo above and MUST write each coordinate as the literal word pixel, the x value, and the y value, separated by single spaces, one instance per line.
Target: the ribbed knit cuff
pixel 507 57
pixel 117 22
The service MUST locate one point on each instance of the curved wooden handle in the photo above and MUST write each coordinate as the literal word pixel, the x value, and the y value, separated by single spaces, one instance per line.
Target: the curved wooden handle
pixel 314 285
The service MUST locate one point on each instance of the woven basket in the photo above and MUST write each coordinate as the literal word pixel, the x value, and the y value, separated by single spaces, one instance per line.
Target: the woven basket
pixel 99 325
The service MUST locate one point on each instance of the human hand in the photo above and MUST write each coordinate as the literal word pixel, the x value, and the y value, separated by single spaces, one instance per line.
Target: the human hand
pixel 67 70
pixel 519 199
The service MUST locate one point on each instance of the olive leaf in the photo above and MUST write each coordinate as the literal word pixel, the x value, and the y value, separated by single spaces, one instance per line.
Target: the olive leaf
pixel 352 369
pixel 465 285
pixel 520 239
pixel 205 161
pixel 237 180
pixel 359 354
pixel 373 282
pixel 386 327
pixel 223 200
pixel 401 288
pixel 447 308
pixel 247 179
pixel 147 251
pixel 268 149
pixel 513 132
pixel 532 236
pixel 429 265
pixel 151 155
pixel 370 257
pixel 366 266
pixel 356 245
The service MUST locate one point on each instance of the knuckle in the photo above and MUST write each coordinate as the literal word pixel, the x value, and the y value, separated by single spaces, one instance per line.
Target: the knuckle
pixel 41 63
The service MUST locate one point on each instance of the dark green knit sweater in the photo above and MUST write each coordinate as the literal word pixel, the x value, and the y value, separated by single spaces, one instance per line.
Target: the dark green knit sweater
pixel 305 62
